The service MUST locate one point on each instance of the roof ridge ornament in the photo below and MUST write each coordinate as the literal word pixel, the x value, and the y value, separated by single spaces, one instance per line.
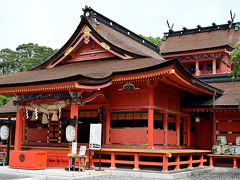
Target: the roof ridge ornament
pixel 230 22
pixel 170 28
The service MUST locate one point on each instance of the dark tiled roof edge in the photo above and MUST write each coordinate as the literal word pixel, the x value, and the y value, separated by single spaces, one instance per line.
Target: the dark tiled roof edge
pixel 99 17
pixel 214 78
pixel 200 29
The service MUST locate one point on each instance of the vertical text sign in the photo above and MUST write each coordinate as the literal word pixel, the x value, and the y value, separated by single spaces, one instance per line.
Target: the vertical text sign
pixel 95 136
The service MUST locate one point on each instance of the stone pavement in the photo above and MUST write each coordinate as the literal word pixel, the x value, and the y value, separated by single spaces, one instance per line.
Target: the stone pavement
pixel 48 173
pixel 120 174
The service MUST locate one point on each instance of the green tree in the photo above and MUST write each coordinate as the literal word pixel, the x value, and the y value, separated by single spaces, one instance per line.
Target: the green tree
pixel 8 62
pixel 4 100
pixel 26 56
pixel 235 58
pixel 155 40
pixel 31 55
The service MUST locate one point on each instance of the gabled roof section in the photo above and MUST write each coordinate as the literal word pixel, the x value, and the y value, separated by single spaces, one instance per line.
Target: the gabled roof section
pixel 201 38
pixel 97 37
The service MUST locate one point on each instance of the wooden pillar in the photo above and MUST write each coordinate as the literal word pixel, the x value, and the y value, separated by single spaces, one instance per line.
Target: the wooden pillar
pixel 234 162
pixel 113 166
pixel 188 131
pixel 165 128
pixel 197 72
pixel 73 113
pixel 107 127
pixel 177 167
pixel 214 67
pixel 211 161
pixel 150 126
pixel 136 162
pixel 178 129
pixel 190 161
pixel 201 162
pixel 165 163
pixel 150 118
pixel 214 128
pixel 19 129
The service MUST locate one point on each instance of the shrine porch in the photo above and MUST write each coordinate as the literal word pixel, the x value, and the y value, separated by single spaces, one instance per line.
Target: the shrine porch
pixel 162 159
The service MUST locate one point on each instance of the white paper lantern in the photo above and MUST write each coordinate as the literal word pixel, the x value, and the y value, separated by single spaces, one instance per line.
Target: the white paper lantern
pixel 70 133
pixel 4 132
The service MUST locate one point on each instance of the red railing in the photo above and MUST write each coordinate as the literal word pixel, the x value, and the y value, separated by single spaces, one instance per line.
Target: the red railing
pixel 165 161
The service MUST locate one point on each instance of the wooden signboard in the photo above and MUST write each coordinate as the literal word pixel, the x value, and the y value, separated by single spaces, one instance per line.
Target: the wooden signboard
pixel 95 136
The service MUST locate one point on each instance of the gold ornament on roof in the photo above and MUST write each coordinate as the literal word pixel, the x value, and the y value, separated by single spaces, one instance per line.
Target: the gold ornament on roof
pixel 127 56
pixel 105 46
pixel 87 14
pixel 86 30
pixel 68 51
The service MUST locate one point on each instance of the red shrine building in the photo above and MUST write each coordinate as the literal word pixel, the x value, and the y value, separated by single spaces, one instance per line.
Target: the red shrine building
pixel 153 110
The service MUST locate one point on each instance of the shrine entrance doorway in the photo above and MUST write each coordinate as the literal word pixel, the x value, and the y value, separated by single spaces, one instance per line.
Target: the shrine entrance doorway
pixel 87 117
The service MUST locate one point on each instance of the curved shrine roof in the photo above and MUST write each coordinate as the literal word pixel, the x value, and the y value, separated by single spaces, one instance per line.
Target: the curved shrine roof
pixel 198 40
pixel 95 71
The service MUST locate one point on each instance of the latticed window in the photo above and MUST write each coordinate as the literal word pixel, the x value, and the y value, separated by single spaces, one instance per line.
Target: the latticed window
pixel 129 119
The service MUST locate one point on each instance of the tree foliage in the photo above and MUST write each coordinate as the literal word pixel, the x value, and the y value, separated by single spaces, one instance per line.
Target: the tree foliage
pixel 155 40
pixel 4 100
pixel 8 64
pixel 235 58
pixel 31 55
pixel 26 57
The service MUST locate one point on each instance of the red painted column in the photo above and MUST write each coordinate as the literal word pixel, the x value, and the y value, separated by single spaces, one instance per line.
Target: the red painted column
pixel 211 161
pixel 150 126
pixel 150 118
pixel 178 129
pixel 165 128
pixel 136 162
pixel 19 129
pixel 190 161
pixel 107 127
pixel 165 163
pixel 188 131
pixel 201 158
pixel 113 166
pixel 234 162
pixel 197 68
pixel 214 128
pixel 214 67
pixel 177 167
pixel 74 112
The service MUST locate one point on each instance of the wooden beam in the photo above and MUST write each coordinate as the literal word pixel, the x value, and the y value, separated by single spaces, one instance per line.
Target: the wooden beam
pixel 73 113
pixel 19 129
pixel 188 131
pixel 178 129
pixel 214 127
pixel 165 128
pixel 107 127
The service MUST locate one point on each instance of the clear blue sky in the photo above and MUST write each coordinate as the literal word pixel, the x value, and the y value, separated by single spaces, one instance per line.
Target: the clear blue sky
pixel 52 22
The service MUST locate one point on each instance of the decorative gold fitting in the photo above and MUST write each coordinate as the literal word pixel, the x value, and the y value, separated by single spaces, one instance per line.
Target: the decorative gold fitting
pixel 68 51
pixel 86 30
pixel 105 46
pixel 87 14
